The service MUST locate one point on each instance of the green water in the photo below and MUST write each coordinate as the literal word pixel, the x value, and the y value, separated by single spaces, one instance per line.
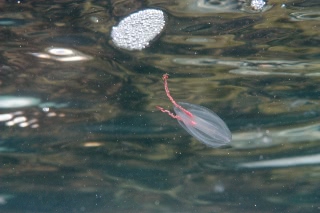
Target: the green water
pixel 80 131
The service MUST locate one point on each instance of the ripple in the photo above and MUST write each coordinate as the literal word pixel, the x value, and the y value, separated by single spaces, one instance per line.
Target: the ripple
pixel 283 162
pixel 274 137
pixel 305 16
pixel 258 67
pixel 217 5
pixel 12 22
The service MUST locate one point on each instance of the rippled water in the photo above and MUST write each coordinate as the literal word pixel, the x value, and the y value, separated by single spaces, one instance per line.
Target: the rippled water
pixel 80 131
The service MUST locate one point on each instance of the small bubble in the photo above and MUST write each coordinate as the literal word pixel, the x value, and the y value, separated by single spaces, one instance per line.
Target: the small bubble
pixel 94 19
pixel 45 109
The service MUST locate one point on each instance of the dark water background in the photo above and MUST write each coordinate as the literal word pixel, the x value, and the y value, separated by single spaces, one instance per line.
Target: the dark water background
pixel 81 133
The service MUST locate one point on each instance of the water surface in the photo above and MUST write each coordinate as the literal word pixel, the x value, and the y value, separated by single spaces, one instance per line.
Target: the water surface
pixel 80 131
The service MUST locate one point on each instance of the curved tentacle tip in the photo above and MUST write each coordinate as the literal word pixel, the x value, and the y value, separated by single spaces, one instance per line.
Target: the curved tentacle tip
pixel 165 76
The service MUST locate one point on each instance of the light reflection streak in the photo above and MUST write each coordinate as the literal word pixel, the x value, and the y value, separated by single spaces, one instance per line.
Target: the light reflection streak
pixel 7 101
pixel 269 138
pixel 62 54
pixel 283 162
pixel 305 16
pixel 258 67
pixel 5 117
pixel 19 118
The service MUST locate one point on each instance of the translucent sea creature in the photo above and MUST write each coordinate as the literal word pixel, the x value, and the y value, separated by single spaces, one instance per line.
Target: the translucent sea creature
pixel 199 121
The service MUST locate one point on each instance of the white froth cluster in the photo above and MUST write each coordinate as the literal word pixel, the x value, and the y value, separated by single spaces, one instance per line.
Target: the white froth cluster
pixel 137 30
pixel 257 4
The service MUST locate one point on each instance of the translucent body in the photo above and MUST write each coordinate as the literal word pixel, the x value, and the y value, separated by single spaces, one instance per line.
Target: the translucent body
pixel 198 121
pixel 204 124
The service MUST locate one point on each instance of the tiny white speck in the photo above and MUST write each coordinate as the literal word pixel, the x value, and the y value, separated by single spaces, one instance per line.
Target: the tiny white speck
pixel 45 109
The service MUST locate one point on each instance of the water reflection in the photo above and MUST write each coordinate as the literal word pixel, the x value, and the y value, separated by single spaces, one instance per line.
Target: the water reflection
pixel 226 6
pixel 306 16
pixel 259 68
pixel 24 118
pixel 4 198
pixel 283 162
pixel 98 145
pixel 62 55
pixel 18 102
pixel 12 22
pixel 274 137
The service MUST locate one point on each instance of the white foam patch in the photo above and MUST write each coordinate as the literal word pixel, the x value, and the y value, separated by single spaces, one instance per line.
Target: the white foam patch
pixel 137 30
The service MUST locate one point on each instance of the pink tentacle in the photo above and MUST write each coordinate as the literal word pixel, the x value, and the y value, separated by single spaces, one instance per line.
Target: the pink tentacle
pixel 165 78
pixel 169 113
